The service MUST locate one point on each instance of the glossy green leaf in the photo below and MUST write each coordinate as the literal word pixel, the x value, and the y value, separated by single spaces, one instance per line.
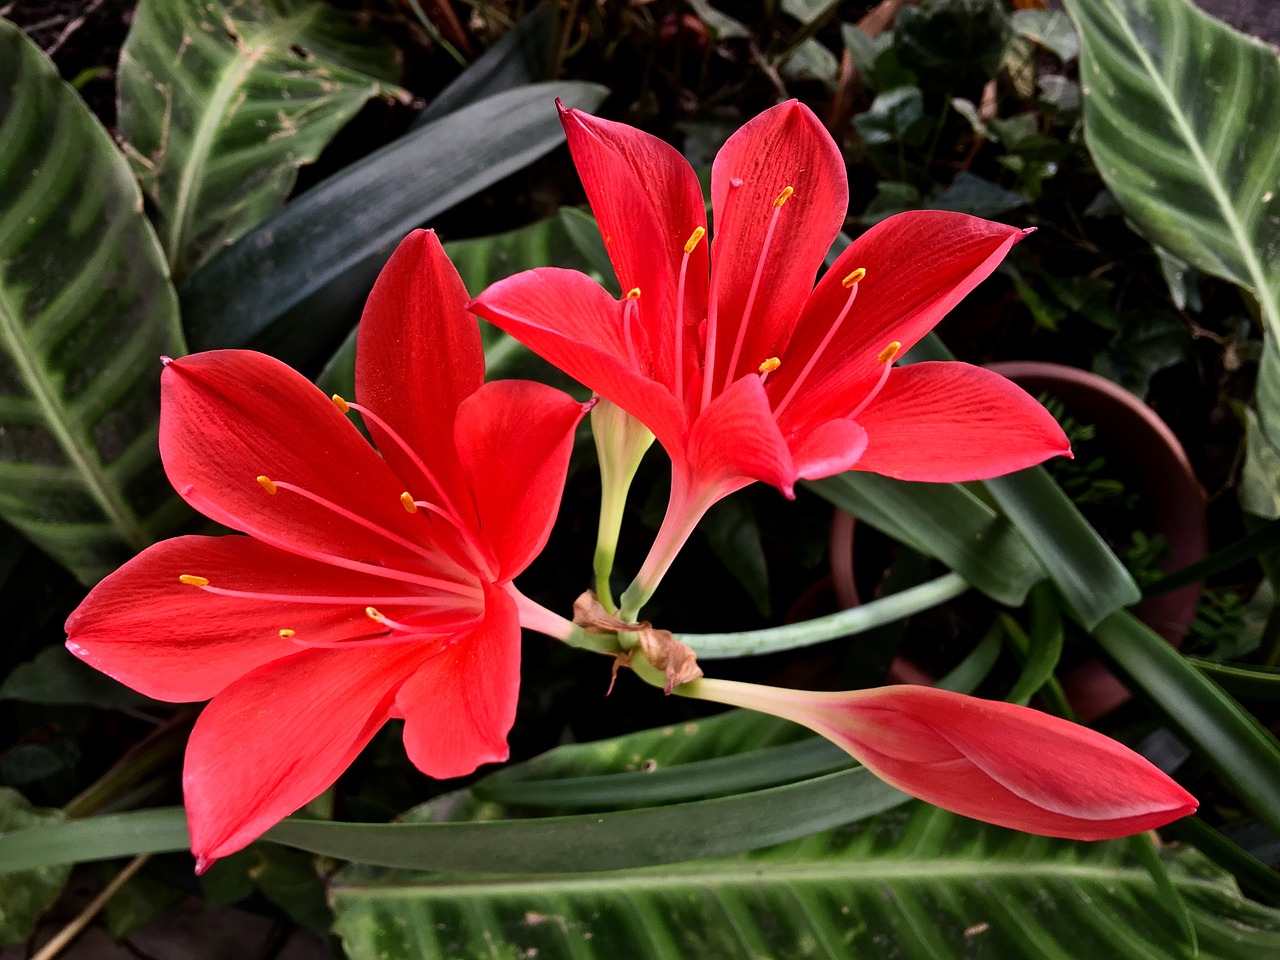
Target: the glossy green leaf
pixel 918 883
pixel 221 102
pixel 1225 736
pixel 26 895
pixel 942 520
pixel 1177 105
pixel 319 255
pixel 86 311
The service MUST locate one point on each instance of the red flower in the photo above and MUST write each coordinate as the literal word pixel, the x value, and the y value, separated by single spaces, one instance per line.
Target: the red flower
pixel 749 372
pixel 373 583
pixel 998 762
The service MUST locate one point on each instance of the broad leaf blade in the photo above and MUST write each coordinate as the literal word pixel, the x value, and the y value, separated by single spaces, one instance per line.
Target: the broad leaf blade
pixel 1181 115
pixel 221 102
pixel 324 249
pixel 913 884
pixel 86 311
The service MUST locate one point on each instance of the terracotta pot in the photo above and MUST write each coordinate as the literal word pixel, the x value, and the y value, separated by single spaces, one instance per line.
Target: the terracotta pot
pixel 1171 505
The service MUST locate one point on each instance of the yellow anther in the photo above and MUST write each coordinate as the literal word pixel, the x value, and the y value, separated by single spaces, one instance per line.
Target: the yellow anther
pixel 784 196
pixel 889 352
pixel 406 501
pixel 770 365
pixel 286 633
pixel 633 293
pixel 340 403
pixel 194 581
pixel 692 242
pixel 856 277
pixel 372 613
pixel 267 485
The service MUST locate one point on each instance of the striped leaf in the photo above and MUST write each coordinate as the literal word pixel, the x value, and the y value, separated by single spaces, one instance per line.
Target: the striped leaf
pixel 1182 114
pixel 913 883
pixel 221 102
pixel 86 310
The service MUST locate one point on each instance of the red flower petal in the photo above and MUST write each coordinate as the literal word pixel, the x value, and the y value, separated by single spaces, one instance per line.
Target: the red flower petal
pixel 919 266
pixel 785 146
pixel 281 735
pixel 647 201
pixel 572 322
pixel 828 449
pixel 177 642
pixel 951 421
pixel 418 356
pixel 735 440
pixel 514 439
pixel 228 416
pixel 459 706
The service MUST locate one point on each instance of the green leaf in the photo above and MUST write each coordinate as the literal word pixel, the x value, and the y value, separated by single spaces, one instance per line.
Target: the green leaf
pixel 1260 482
pixel 222 101
pixel 27 894
pixel 319 255
pixel 953 45
pixel 1244 680
pixel 1043 647
pixel 894 116
pixel 86 311
pixel 918 883
pixel 1224 735
pixel 945 521
pixel 1176 105
pixel 55 676
pixel 1051 29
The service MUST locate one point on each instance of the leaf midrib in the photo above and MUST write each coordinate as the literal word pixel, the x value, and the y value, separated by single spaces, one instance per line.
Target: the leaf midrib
pixel 753 873
pixel 230 80
pixel 59 423
pixel 1266 295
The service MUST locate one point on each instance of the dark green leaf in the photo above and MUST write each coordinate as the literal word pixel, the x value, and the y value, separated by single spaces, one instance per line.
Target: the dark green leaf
pixel 27 894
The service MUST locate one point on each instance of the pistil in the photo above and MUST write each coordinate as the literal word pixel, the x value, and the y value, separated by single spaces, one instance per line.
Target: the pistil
pixel 713 304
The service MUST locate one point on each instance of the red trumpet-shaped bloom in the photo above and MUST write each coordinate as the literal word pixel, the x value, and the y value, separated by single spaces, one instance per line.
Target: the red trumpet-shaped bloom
pixel 998 762
pixel 739 365
pixel 372 583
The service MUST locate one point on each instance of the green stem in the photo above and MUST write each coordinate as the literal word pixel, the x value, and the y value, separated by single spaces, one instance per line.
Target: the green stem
pixel 868 616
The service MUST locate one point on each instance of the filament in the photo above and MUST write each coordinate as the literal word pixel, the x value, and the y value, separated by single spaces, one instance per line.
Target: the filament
pixel 690 245
pixel 851 282
pixel 755 284
pixel 713 304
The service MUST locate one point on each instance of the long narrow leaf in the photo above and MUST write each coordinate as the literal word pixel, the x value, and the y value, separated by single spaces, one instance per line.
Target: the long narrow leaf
pixel 324 249
pixel 1226 736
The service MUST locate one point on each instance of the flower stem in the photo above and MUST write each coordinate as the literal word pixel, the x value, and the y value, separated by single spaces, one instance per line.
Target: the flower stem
pixel 534 616
pixel 621 443
pixel 868 616
pixel 682 516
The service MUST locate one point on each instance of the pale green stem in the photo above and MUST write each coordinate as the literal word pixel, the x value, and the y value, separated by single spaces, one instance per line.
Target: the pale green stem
pixel 621 443
pixel 534 616
pixel 868 616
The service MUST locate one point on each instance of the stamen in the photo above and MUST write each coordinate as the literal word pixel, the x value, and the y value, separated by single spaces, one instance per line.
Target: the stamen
pixel 713 301
pixel 689 246
pixel 165 361
pixel 194 581
pixel 447 639
pixel 395 601
pixel 286 633
pixel 627 312
pixel 408 451
pixel 267 485
pixel 406 501
pixel 354 518
pixel 885 358
pixel 474 548
pixel 783 197
pixel 341 404
pixel 851 284
pixel 382 619
pixel 766 368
